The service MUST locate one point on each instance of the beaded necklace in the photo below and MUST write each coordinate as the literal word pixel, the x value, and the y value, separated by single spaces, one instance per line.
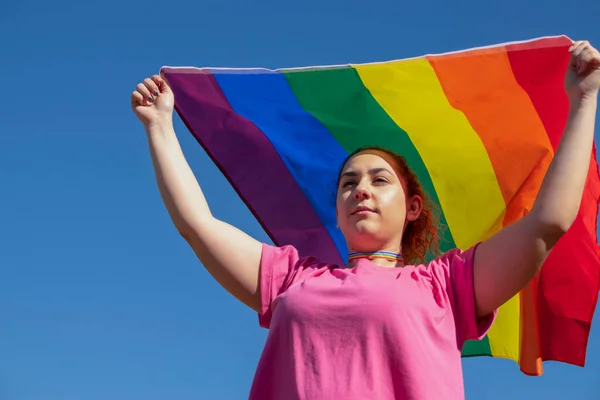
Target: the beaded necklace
pixel 386 255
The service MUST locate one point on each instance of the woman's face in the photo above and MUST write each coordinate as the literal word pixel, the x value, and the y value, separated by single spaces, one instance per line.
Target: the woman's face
pixel 371 204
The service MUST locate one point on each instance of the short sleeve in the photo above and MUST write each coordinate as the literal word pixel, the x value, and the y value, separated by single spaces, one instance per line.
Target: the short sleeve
pixel 461 291
pixel 280 267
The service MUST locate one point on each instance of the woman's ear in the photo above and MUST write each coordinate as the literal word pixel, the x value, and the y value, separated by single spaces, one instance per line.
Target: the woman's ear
pixel 413 208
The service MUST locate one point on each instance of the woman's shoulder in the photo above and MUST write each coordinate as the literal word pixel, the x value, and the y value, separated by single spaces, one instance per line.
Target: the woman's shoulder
pixel 452 262
pixel 454 254
pixel 288 254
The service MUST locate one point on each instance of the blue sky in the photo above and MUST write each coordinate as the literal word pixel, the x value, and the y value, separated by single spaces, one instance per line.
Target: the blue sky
pixel 99 296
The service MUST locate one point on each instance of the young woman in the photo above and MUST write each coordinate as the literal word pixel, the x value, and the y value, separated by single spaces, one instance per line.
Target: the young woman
pixel 388 326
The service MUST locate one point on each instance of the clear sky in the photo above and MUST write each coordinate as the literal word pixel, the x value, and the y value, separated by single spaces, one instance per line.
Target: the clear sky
pixel 99 297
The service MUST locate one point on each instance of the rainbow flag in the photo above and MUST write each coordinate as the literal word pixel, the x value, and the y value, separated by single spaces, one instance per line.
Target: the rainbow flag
pixel 479 127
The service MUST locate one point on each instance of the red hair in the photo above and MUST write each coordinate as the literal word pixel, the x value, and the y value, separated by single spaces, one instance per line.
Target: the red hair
pixel 420 236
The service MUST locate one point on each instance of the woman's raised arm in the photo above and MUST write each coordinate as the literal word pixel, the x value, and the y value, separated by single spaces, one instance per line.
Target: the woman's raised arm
pixel 228 254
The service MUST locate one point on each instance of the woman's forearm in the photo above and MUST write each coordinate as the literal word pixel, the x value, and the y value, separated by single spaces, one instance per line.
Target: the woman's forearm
pixel 177 184
pixel 559 198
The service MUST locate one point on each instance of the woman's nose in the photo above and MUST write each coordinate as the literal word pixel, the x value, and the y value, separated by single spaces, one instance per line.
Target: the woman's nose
pixel 361 193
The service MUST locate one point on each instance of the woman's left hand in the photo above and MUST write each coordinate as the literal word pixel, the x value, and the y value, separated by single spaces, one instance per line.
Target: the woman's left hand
pixel 583 75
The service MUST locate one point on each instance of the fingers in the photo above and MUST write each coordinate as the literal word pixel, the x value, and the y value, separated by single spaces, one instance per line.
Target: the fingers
pixel 148 91
pixel 576 49
pixel 594 57
pixel 577 44
pixel 152 87
pixel 583 56
pixel 137 97
pixel 161 83
pixel 144 91
pixel 142 95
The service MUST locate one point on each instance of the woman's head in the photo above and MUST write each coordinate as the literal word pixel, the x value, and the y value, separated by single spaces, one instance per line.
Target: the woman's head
pixel 381 205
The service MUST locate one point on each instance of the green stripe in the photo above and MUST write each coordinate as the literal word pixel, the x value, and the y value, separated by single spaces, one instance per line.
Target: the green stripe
pixel 475 348
pixel 340 101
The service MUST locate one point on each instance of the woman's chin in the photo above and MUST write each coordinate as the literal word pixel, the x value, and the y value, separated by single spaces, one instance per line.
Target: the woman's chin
pixel 365 226
pixel 364 234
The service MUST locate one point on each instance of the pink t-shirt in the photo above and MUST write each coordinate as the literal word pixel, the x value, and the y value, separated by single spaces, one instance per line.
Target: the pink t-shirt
pixel 366 332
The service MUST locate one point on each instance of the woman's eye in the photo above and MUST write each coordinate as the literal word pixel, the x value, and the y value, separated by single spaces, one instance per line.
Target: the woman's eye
pixel 380 180
pixel 348 183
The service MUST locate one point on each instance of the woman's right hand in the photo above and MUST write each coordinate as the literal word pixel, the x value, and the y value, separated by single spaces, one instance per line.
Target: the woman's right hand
pixel 153 101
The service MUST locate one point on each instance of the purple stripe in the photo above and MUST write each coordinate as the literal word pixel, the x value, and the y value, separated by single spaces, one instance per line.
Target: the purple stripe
pixel 262 180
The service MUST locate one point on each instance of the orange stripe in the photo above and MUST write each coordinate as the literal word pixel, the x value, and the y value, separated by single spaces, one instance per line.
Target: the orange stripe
pixel 484 88
pixel 531 353
pixel 481 84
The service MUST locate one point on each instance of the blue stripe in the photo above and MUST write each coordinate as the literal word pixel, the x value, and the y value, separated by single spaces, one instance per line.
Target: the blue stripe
pixel 306 147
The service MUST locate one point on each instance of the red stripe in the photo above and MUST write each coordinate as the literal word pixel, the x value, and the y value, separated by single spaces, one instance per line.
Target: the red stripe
pixel 570 278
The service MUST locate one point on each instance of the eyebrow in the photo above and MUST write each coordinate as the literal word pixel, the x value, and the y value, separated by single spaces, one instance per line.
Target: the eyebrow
pixel 372 171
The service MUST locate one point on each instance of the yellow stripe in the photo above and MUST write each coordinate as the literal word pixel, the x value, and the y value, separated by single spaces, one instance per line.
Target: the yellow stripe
pixel 457 161
pixel 462 173
pixel 504 335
